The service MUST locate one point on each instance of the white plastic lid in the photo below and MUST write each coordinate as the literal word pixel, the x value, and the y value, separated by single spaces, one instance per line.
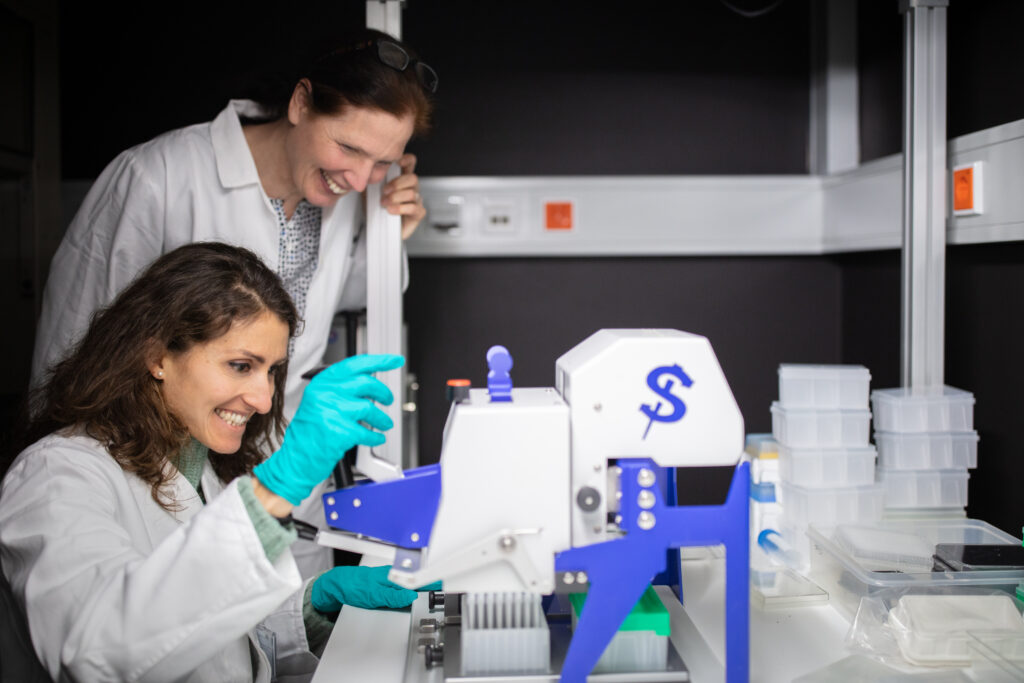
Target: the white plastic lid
pixel 923 394
pixel 809 369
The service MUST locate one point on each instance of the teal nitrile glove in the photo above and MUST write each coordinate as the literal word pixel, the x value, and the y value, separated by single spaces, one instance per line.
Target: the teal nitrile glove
pixel 366 587
pixel 327 424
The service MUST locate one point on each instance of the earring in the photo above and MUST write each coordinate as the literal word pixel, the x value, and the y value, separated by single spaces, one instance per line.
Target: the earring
pixel 160 374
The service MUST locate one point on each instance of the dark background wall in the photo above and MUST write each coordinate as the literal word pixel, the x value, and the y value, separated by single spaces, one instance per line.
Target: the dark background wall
pixel 582 88
pixel 528 87
pixel 984 63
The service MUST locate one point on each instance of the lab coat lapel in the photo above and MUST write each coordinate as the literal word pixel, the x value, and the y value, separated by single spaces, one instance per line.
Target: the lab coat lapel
pixel 212 485
pixel 161 523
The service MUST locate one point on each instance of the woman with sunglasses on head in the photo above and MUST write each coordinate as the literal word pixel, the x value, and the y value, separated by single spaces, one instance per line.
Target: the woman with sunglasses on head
pixel 142 533
pixel 282 176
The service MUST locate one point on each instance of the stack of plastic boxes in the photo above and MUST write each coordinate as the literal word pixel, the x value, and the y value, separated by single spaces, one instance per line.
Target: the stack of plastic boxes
pixel 763 454
pixel 926 443
pixel 826 463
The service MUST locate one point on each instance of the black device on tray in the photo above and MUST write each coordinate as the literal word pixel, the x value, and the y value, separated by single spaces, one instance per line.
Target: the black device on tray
pixel 963 557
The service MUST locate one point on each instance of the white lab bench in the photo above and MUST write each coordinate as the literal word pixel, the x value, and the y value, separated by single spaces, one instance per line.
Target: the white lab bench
pixel 372 646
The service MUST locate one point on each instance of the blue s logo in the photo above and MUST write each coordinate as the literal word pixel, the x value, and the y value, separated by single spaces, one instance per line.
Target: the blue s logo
pixel 676 408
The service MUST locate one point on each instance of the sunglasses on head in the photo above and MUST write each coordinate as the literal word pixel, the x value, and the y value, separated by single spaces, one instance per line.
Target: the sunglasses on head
pixel 394 55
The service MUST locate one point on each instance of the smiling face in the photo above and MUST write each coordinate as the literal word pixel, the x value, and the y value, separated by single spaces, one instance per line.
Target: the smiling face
pixel 215 387
pixel 329 156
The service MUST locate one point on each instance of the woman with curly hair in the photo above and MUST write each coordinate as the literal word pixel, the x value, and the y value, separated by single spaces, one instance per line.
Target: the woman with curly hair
pixel 141 536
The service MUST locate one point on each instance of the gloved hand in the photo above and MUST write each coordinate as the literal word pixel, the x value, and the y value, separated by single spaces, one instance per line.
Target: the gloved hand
pixel 366 587
pixel 326 425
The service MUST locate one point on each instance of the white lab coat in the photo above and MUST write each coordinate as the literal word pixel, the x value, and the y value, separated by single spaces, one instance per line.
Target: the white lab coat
pixel 115 588
pixel 197 184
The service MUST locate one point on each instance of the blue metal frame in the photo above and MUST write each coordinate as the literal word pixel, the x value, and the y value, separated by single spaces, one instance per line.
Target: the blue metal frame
pixel 617 583
pixel 672 576
pixel 400 511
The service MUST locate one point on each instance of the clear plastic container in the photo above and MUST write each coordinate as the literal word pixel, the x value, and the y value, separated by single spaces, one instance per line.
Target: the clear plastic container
pixel 827 467
pixel 805 428
pixel 880 550
pixel 847 579
pixel 862 668
pixel 504 633
pixel 996 659
pixel 828 507
pixel 938 409
pixel 783 588
pixel 933 629
pixel 924 488
pixel 936 451
pixel 823 386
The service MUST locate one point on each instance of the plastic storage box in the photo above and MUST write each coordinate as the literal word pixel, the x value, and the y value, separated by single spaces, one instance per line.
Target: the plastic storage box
pixel 504 633
pixel 881 550
pixel 802 428
pixel 826 467
pixel 828 507
pixel 861 668
pixel 933 629
pixel 783 588
pixel 847 579
pixel 937 451
pixel 924 488
pixel 995 659
pixel 823 386
pixel 941 409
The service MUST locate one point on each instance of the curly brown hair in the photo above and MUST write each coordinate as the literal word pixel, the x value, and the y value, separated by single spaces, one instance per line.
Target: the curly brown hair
pixel 188 296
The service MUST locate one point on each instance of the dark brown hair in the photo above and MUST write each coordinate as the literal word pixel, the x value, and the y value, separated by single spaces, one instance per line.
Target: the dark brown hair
pixel 347 72
pixel 188 296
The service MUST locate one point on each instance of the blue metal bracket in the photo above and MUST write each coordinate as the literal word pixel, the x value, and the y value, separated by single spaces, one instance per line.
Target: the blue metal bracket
pixel 671 576
pixel 619 570
pixel 400 511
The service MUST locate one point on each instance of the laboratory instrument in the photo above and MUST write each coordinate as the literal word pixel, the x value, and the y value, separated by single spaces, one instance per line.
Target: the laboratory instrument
pixel 554 505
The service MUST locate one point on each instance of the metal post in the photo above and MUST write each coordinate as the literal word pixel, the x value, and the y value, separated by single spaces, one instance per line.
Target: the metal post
pixel 384 286
pixel 924 188
pixel 385 15
pixel 834 124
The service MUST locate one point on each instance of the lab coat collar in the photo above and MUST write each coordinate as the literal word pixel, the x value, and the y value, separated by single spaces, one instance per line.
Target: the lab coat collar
pixel 183 495
pixel 183 492
pixel 235 165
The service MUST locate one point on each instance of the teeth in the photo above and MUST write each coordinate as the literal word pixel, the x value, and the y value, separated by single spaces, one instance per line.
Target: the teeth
pixel 234 419
pixel 334 187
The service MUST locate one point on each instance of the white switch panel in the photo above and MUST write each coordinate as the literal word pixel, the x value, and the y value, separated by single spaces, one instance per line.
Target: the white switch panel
pixel 500 215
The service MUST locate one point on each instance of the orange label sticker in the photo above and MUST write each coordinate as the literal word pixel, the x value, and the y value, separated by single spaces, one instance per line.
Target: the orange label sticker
pixel 558 215
pixel 963 189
